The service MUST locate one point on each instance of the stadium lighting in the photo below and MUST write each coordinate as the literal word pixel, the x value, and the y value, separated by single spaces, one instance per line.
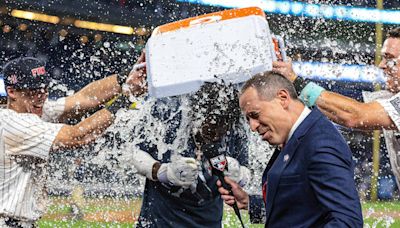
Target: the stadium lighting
pixel 297 8
pixel 327 11
pixel 348 13
pixel 141 31
pixel 35 16
pixel 284 8
pixel 339 72
pixel 312 10
pixel 78 23
pixel 104 27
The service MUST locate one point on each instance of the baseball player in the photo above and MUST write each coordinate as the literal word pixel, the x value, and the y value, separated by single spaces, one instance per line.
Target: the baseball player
pixel 27 137
pixel 180 189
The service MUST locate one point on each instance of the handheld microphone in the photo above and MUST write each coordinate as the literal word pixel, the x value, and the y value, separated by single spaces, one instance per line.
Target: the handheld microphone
pixel 218 163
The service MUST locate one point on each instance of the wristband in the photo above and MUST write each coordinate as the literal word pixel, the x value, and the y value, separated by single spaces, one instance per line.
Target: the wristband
pixel 123 75
pixel 299 83
pixel 133 105
pixel 310 94
pixel 154 170
pixel 121 102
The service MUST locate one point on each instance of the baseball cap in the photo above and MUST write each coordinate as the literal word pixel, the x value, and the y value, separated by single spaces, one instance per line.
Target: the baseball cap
pixel 25 73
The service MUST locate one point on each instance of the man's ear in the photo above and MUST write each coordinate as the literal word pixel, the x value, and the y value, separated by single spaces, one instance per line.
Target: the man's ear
pixel 284 97
pixel 11 92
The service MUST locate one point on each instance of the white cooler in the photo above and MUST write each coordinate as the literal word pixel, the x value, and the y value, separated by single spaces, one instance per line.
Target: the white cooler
pixel 231 45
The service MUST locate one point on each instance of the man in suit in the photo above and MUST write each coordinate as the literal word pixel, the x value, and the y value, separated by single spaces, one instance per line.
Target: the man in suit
pixel 380 109
pixel 309 180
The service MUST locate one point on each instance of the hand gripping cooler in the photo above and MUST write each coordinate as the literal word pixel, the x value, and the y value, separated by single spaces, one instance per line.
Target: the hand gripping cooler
pixel 231 45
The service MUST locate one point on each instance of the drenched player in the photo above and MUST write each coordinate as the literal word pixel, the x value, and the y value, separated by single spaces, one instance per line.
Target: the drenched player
pixel 27 137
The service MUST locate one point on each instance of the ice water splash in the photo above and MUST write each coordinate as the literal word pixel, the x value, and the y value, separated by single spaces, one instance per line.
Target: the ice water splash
pixel 108 163
pixel 132 124
pixel 112 155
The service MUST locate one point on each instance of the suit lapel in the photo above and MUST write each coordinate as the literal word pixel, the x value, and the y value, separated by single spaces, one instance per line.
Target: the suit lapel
pixel 285 157
pixel 275 172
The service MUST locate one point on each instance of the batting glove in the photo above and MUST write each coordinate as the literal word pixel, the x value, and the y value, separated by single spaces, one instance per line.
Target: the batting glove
pixel 240 174
pixel 182 172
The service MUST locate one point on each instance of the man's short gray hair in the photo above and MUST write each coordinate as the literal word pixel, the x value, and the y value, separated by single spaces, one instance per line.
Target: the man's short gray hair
pixel 268 84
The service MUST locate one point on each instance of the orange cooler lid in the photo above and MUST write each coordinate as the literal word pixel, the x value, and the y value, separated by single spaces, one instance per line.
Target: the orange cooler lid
pixel 209 18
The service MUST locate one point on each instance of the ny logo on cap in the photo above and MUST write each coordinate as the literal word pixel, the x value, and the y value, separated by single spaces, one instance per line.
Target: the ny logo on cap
pixel 13 79
pixel 38 71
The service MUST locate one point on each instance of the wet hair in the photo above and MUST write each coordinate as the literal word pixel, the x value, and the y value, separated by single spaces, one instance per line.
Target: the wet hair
pixel 268 84
pixel 394 33
pixel 215 105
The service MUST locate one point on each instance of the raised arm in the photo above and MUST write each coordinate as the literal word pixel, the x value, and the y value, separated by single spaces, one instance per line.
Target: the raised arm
pixel 338 108
pixel 101 91
pixel 351 113
pixel 88 129
pixel 27 135
pixel 84 132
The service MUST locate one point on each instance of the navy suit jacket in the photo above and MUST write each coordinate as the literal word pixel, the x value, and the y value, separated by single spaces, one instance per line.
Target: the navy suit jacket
pixel 310 183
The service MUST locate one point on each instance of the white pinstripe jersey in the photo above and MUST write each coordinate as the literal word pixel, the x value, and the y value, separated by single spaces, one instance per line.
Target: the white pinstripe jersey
pixel 25 143
pixel 391 104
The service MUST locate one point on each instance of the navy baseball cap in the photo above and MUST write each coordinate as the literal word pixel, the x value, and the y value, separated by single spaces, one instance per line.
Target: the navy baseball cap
pixel 26 73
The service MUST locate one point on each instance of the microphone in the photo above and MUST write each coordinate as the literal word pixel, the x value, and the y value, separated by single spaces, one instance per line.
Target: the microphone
pixel 218 163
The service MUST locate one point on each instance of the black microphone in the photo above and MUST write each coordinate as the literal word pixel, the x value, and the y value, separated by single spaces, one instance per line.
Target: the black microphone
pixel 218 163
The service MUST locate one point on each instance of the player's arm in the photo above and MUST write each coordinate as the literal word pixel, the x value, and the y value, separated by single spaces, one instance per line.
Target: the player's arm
pixel 89 129
pixel 27 135
pixel 91 96
pixel 103 90
pixel 354 114
pixel 338 108
pixel 84 132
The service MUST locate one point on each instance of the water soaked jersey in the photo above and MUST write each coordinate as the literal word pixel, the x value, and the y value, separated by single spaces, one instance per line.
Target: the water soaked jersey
pixel 391 104
pixel 25 143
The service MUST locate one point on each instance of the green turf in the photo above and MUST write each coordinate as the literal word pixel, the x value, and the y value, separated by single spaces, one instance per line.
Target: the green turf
pixel 381 223
pixel 76 224
pixel 383 205
pixel 231 220
pixel 62 206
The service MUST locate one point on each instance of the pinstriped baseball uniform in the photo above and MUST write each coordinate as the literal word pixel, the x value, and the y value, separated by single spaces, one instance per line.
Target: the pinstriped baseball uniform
pixel 25 144
pixel 391 104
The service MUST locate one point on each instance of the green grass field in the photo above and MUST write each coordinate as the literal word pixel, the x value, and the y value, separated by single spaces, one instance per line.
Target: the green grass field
pixel 109 212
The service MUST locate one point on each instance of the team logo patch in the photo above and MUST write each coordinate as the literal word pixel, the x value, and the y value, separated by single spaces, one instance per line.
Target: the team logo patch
pixel 396 104
pixel 38 71
pixel 13 79
pixel 218 162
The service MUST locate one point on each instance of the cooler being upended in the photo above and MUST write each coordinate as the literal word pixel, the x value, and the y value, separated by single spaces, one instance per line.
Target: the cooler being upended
pixel 231 45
